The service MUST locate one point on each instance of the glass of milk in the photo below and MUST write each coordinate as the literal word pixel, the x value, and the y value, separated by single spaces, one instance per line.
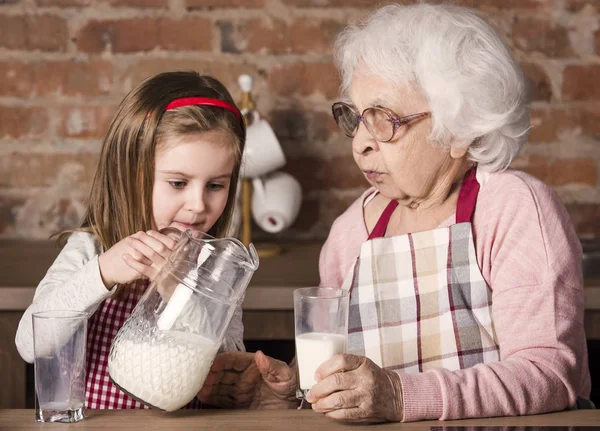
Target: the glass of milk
pixel 321 321
pixel 59 339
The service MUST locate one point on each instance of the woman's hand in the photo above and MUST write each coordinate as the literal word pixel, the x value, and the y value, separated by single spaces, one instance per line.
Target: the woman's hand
pixel 352 388
pixel 249 380
pixel 137 256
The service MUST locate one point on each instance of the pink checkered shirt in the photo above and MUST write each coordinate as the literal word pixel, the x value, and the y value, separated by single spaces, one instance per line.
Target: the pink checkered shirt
pixel 103 326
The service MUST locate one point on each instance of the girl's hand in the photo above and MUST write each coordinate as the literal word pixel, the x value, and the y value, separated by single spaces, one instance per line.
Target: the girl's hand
pixel 249 380
pixel 137 256
pixel 353 388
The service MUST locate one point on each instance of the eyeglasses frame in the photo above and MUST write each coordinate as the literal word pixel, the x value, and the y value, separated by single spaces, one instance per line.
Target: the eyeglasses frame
pixel 397 121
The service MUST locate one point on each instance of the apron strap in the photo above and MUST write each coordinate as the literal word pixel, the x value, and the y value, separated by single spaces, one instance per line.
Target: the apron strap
pixel 467 196
pixel 465 207
pixel 381 226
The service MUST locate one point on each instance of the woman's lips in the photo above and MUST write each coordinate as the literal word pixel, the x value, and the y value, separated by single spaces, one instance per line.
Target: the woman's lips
pixel 372 175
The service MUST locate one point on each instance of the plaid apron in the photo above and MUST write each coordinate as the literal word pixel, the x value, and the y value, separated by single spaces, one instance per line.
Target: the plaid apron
pixel 100 392
pixel 418 301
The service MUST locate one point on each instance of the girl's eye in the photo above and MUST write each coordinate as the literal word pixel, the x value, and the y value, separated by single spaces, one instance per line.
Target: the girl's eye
pixel 215 186
pixel 177 184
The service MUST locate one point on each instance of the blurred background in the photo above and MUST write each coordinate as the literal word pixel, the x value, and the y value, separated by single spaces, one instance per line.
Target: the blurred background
pixel 66 64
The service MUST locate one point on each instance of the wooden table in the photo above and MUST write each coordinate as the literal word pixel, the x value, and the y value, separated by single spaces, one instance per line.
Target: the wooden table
pixel 301 420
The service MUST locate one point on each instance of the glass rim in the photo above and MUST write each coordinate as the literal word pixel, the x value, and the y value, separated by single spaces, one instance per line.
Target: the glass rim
pixel 66 314
pixel 340 292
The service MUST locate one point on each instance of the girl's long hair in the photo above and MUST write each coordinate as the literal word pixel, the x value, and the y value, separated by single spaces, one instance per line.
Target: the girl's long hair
pixel 120 201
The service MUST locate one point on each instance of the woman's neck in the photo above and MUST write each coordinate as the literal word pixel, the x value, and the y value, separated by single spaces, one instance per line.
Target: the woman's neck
pixel 429 213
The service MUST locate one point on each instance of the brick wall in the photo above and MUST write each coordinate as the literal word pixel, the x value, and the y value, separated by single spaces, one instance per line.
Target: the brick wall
pixel 66 64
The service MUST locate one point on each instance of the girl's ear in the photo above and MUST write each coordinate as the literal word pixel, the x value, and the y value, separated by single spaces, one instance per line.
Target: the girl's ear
pixel 459 148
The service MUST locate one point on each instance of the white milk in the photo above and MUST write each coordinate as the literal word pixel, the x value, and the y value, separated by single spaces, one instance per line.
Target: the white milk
pixel 314 348
pixel 165 374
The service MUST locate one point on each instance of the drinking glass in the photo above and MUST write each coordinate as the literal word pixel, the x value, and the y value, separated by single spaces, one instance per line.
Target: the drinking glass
pixel 59 339
pixel 321 322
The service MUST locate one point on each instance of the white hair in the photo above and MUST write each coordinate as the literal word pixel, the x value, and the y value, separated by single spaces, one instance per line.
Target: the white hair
pixel 475 89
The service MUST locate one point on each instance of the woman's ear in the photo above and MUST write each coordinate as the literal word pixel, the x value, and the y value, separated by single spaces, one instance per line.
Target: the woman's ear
pixel 459 148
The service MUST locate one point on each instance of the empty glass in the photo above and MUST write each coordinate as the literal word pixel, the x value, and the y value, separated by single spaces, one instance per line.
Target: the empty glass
pixel 59 339
pixel 321 320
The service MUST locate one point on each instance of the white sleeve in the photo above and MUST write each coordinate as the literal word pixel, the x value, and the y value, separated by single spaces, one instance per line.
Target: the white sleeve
pixel 234 337
pixel 73 282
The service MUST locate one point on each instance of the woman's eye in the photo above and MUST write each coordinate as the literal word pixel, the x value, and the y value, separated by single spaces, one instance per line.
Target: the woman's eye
pixel 177 184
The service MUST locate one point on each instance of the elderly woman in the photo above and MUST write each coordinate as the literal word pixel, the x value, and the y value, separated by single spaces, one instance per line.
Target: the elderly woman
pixel 465 276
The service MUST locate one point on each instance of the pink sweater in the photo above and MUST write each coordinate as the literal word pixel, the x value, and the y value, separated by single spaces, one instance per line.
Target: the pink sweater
pixel 530 256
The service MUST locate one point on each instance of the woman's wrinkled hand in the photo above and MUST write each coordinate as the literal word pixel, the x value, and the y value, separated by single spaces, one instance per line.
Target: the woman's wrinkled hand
pixel 137 256
pixel 353 388
pixel 249 380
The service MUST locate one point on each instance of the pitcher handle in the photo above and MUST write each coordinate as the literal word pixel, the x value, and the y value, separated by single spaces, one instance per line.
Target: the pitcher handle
pixel 171 232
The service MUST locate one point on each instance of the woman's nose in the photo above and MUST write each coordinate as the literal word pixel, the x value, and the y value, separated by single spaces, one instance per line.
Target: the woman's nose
pixel 363 142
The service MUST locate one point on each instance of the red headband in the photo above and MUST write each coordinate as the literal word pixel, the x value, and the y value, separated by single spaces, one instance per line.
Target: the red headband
pixel 186 101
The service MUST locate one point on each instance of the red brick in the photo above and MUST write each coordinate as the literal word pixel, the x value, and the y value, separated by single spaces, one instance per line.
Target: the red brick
pixel 7 211
pixel 336 173
pixel 539 86
pixel 13 32
pixel 47 33
pixel 22 121
pixel 597 42
pixel 65 3
pixel 342 173
pixel 560 124
pixel 332 3
pixel 314 35
pixel 537 35
pixel 16 79
pixel 150 4
pixel 222 4
pixel 565 171
pixel 126 35
pixel 580 82
pixel 273 36
pixel 585 218
pixel 227 73
pixel 117 3
pixel 44 32
pixel 299 127
pixel 333 206
pixel 308 216
pixel 510 4
pixel 578 5
pixel 263 35
pixel 73 78
pixel 194 34
pixel 86 121
pixel 499 4
pixel 305 79
pixel 34 169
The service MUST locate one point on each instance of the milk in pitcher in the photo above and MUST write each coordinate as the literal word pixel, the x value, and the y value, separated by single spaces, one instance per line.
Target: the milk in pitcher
pixel 165 373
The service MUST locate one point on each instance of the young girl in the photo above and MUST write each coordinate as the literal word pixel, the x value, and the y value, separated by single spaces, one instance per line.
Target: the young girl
pixel 171 158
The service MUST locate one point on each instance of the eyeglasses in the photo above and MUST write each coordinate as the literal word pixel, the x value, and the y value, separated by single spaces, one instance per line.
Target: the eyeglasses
pixel 381 123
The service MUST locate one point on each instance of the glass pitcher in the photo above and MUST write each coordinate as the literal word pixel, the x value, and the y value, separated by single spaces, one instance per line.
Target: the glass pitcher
pixel 163 353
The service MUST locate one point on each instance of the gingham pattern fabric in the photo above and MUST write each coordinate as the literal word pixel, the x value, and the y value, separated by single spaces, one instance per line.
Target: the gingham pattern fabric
pixel 103 327
pixel 419 302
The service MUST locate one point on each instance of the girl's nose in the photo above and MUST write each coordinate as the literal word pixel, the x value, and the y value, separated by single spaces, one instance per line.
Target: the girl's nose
pixel 196 203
